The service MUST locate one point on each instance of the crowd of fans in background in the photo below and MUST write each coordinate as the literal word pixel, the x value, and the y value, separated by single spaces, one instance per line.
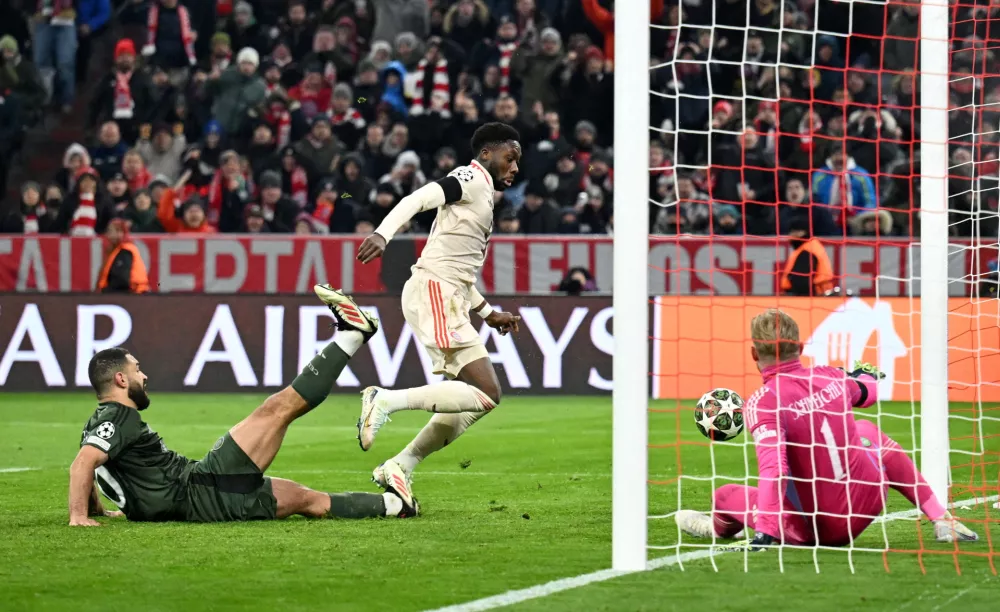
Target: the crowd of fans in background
pixel 318 116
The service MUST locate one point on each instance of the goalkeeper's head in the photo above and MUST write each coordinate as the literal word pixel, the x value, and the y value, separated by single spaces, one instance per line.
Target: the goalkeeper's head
pixel 775 337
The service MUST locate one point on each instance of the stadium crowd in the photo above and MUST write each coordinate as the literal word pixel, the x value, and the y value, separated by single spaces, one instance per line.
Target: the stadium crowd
pixel 318 116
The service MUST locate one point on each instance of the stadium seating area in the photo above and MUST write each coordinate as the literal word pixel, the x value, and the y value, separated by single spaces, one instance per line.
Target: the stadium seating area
pixel 318 116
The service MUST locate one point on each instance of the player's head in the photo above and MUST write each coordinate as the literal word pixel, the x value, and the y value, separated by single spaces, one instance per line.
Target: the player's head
pixel 115 373
pixel 775 337
pixel 497 148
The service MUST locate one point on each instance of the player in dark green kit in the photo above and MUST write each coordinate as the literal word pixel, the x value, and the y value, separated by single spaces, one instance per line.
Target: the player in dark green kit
pixel 133 467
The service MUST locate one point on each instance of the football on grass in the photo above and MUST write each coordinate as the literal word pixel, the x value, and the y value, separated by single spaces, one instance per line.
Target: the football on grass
pixel 719 414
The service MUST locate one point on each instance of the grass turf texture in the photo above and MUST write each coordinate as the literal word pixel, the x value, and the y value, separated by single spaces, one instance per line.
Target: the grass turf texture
pixel 522 499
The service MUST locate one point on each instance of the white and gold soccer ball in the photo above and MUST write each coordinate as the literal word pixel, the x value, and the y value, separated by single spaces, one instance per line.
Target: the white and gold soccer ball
pixel 719 414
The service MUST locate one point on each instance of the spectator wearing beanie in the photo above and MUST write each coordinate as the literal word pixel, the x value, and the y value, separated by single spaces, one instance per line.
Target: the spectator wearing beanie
pixel 535 67
pixel 54 42
pixel 85 212
pixel 236 91
pixel 406 175
pixel 318 150
pixel 367 90
pixel 170 37
pixel 22 78
pixel 347 122
pixel 163 153
pixel 142 214
pixel 255 221
pixel 351 181
pixel 393 17
pixel 538 214
pixel 279 210
pixel 221 55
pixel 119 198
pixel 107 156
pixel 244 30
pixel 338 212
pixel 125 95
pixel 261 150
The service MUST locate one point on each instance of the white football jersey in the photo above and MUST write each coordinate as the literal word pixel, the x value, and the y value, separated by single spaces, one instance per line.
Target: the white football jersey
pixel 456 248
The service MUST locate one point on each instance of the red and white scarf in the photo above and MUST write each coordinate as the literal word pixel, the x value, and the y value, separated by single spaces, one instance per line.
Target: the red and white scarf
pixel 281 125
pixel 216 190
pixel 84 221
pixel 300 187
pixel 440 84
pixel 506 55
pixel 30 216
pixel 124 103
pixel 352 116
pixel 187 32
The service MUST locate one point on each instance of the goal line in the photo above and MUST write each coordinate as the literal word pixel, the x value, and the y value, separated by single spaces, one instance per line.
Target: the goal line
pixel 565 584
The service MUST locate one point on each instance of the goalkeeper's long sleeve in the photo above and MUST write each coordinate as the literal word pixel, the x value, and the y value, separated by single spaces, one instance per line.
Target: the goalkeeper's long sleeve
pixel 427 197
pixel 772 464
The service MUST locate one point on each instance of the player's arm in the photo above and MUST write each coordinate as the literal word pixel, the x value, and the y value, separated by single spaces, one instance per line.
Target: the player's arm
pixel 772 464
pixel 863 384
pixel 503 322
pixel 81 485
pixel 430 196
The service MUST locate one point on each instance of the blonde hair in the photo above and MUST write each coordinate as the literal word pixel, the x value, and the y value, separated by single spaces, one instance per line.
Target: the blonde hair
pixel 775 335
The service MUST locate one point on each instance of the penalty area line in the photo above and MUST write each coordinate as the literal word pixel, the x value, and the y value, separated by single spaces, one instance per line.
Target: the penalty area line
pixel 565 584
pixel 14 470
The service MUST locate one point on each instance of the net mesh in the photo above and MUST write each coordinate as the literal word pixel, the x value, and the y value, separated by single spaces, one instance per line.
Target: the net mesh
pixel 804 118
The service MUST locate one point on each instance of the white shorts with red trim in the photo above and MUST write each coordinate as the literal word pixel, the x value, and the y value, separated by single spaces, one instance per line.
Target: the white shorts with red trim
pixel 438 313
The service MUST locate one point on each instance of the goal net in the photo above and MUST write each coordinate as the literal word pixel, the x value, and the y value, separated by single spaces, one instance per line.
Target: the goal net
pixel 874 128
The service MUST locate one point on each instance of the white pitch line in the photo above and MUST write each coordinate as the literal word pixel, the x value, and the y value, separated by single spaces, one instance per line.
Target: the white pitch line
pixel 17 469
pixel 565 584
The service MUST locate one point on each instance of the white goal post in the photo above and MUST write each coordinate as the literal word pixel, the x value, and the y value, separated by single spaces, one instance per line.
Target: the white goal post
pixel 631 390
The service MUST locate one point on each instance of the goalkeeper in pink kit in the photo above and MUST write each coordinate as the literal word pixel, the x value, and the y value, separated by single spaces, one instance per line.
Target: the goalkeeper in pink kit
pixel 823 475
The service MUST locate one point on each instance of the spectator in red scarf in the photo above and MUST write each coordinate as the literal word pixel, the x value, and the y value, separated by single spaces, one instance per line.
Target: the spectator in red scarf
pixel 228 194
pixel 500 51
pixel 134 168
pixel 294 178
pixel 170 38
pixel 85 212
pixel 126 96
pixel 313 94
pixel 33 216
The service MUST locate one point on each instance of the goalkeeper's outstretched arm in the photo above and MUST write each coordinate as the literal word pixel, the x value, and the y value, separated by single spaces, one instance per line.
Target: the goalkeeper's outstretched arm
pixel 864 390
pixel 761 413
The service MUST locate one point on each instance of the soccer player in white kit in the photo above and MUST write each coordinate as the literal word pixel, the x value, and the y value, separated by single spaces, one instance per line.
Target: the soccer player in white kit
pixel 438 297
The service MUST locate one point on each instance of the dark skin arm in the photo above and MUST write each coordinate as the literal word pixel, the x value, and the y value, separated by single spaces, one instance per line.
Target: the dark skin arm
pixel 503 322
pixel 371 249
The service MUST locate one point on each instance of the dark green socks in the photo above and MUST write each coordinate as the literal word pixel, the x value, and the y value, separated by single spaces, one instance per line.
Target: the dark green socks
pixel 356 505
pixel 316 380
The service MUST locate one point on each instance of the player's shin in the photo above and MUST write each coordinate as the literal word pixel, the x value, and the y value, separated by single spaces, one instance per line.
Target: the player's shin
pixel 317 378
pixel 441 431
pixel 903 476
pixel 450 396
pixel 363 505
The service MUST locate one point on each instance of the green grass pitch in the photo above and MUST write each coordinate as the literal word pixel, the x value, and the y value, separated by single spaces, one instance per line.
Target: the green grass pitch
pixel 523 498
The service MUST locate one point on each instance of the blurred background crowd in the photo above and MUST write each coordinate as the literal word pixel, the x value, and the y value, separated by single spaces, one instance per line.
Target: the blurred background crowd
pixel 318 116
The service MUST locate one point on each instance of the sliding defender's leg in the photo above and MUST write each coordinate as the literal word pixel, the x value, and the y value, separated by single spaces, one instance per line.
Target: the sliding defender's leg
pixel 260 434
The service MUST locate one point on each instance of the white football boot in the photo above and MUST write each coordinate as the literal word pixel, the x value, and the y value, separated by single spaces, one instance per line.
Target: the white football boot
pixel 694 523
pixel 949 530
pixel 393 479
pixel 345 310
pixel 373 417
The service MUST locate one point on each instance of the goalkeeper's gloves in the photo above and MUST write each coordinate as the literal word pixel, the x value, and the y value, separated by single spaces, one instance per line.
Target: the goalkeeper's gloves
pixel 863 367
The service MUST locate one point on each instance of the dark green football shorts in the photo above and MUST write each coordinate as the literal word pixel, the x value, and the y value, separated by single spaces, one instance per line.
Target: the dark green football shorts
pixel 227 486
